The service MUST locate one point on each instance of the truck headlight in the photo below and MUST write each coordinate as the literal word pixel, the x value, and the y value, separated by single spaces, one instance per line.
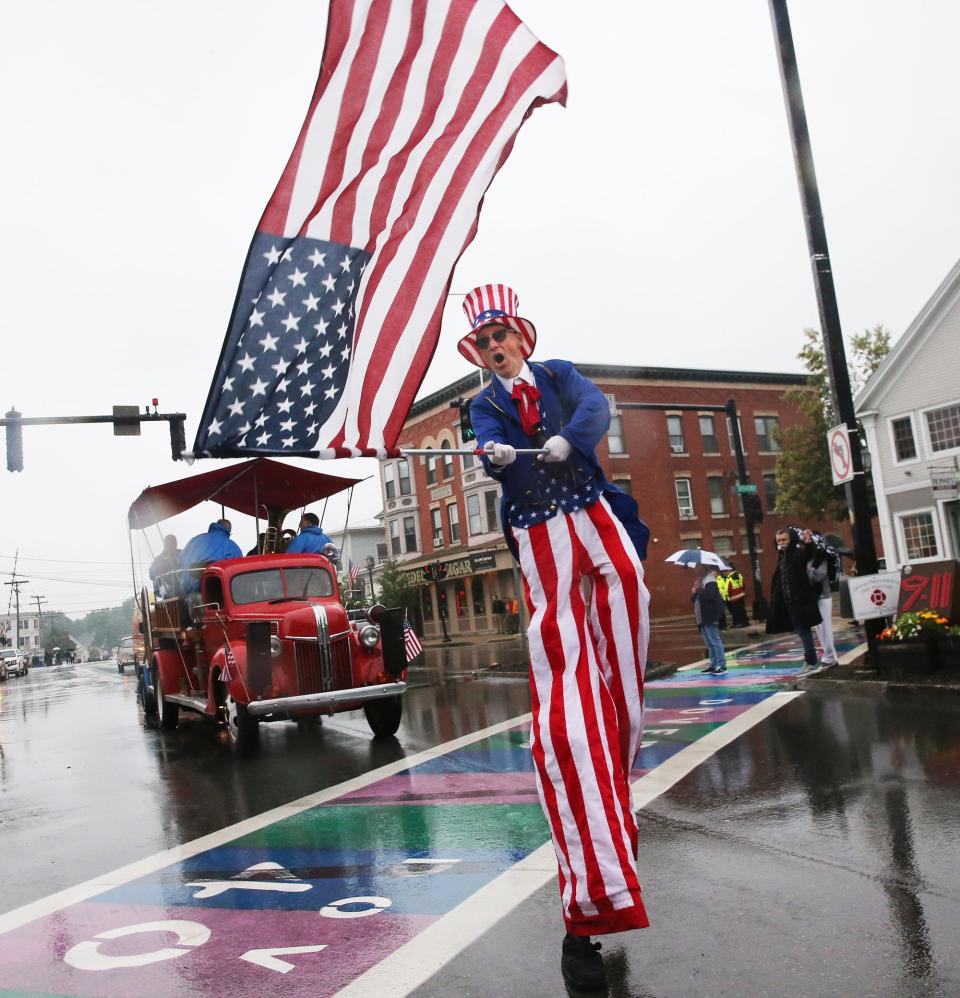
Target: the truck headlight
pixel 275 646
pixel 369 636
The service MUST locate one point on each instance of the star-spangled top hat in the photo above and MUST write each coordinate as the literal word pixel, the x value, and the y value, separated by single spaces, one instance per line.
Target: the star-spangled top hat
pixel 494 305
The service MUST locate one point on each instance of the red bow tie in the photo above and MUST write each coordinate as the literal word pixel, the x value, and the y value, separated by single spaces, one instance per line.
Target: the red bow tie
pixel 526 397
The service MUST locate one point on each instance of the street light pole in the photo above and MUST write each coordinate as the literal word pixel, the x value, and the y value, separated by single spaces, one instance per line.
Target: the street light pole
pixel 833 349
pixel 441 604
pixel 370 562
pixel 40 614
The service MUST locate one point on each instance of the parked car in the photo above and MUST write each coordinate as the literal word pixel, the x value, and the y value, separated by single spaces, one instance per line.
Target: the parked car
pixel 15 664
pixel 126 655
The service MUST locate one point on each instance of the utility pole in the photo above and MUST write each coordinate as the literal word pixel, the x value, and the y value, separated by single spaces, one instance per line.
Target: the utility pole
pixel 40 615
pixel 16 584
pixel 833 348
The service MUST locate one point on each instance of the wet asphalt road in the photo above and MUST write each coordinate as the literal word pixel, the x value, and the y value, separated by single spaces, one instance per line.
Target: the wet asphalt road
pixel 816 855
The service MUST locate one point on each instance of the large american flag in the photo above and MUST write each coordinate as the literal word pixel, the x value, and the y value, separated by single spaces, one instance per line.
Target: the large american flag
pixel 338 313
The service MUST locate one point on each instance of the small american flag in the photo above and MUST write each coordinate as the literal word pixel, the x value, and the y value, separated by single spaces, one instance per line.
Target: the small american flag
pixel 411 642
pixel 354 572
pixel 229 671
pixel 337 316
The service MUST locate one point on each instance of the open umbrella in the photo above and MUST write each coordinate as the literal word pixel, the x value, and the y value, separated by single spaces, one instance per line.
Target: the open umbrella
pixel 692 557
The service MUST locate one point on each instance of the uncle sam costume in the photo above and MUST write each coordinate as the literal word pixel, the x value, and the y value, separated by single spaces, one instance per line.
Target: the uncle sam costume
pixel 565 522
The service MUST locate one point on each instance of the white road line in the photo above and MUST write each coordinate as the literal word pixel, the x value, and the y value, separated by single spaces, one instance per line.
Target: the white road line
pixel 418 960
pixel 847 657
pixel 72 895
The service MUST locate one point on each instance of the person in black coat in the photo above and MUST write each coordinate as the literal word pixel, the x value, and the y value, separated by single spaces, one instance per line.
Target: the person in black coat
pixel 793 599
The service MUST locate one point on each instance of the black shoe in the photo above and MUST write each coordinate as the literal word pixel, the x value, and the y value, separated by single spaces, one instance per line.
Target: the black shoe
pixel 582 965
pixel 709 668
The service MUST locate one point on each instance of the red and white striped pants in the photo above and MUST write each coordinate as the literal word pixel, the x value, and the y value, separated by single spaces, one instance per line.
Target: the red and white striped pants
pixel 586 679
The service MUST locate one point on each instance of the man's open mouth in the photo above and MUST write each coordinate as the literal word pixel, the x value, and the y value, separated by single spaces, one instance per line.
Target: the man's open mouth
pixel 498 358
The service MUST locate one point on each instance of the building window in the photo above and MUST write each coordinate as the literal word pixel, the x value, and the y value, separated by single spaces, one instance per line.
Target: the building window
pixel 447 460
pixel 491 504
pixel 723 544
pixel 718 501
pixel 437 528
pixel 768 432
pixel 708 435
pixel 403 476
pixel 615 436
pixel 431 471
pixel 684 497
pixel 625 484
pixel 474 522
pixel 944 427
pixel 453 522
pixel 675 432
pixel 389 485
pixel 743 443
pixel 904 446
pixel 468 459
pixel 919 536
pixel 479 602
pixel 410 534
pixel 395 537
pixel 460 595
pixel 771 490
pixel 381 553
pixel 692 543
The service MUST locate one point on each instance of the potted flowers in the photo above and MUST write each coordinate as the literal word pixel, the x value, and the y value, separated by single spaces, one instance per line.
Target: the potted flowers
pixel 910 643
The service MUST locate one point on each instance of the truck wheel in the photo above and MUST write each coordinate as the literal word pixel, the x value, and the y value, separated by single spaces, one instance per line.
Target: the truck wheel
pixel 384 716
pixel 145 697
pixel 243 729
pixel 169 712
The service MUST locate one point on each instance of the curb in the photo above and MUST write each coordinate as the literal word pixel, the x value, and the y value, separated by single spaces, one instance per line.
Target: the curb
pixel 876 687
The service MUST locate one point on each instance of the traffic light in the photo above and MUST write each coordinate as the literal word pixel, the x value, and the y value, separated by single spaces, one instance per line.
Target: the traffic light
pixel 14 441
pixel 441 572
pixel 428 572
pixel 442 603
pixel 466 427
pixel 752 507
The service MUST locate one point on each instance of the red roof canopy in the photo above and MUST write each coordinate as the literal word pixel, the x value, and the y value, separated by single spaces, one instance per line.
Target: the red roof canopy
pixel 242 487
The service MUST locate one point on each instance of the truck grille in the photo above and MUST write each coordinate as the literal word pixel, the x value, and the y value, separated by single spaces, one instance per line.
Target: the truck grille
pixel 314 675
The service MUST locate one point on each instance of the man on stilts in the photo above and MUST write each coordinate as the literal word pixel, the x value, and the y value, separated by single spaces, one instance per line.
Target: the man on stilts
pixel 579 543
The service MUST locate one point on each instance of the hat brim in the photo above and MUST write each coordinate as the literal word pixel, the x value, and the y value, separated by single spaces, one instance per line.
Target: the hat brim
pixel 528 337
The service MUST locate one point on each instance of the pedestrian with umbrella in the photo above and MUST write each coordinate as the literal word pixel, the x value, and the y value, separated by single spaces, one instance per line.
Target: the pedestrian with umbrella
pixel 707 603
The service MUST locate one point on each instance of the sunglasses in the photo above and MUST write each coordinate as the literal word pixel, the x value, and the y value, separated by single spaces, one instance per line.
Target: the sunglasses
pixel 498 336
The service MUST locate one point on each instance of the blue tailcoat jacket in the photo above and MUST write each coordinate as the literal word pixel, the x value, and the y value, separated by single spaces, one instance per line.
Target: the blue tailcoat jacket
pixel 571 406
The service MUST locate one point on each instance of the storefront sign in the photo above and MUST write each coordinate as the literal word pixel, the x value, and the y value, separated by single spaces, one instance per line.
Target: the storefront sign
pixel 943 482
pixel 873 596
pixel 931 586
pixel 457 569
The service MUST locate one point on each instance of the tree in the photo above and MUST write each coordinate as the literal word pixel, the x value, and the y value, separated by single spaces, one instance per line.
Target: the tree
pixel 396 589
pixel 805 486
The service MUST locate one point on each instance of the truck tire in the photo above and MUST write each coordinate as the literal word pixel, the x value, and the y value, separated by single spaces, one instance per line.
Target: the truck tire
pixel 243 729
pixel 384 716
pixel 169 713
pixel 145 696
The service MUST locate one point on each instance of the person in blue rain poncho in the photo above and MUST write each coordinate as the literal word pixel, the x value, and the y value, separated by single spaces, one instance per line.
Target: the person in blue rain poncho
pixel 214 545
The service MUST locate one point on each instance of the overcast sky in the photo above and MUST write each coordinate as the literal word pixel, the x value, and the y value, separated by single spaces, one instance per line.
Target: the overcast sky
pixel 656 220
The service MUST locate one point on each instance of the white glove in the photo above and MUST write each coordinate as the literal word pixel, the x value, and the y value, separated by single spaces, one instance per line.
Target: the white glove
pixel 500 454
pixel 557 449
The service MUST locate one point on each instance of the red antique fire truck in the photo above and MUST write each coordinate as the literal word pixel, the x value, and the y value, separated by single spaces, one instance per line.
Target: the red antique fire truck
pixel 266 637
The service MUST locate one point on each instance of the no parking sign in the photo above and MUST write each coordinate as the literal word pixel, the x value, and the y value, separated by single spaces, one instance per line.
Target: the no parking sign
pixel 841 460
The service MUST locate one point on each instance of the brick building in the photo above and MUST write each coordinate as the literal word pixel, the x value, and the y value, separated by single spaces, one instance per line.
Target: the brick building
pixel 679 466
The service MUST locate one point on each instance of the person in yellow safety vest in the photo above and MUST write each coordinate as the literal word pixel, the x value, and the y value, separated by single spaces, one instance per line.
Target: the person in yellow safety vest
pixel 734 595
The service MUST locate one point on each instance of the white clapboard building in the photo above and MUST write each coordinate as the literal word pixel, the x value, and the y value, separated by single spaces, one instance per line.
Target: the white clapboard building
pixel 910 411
